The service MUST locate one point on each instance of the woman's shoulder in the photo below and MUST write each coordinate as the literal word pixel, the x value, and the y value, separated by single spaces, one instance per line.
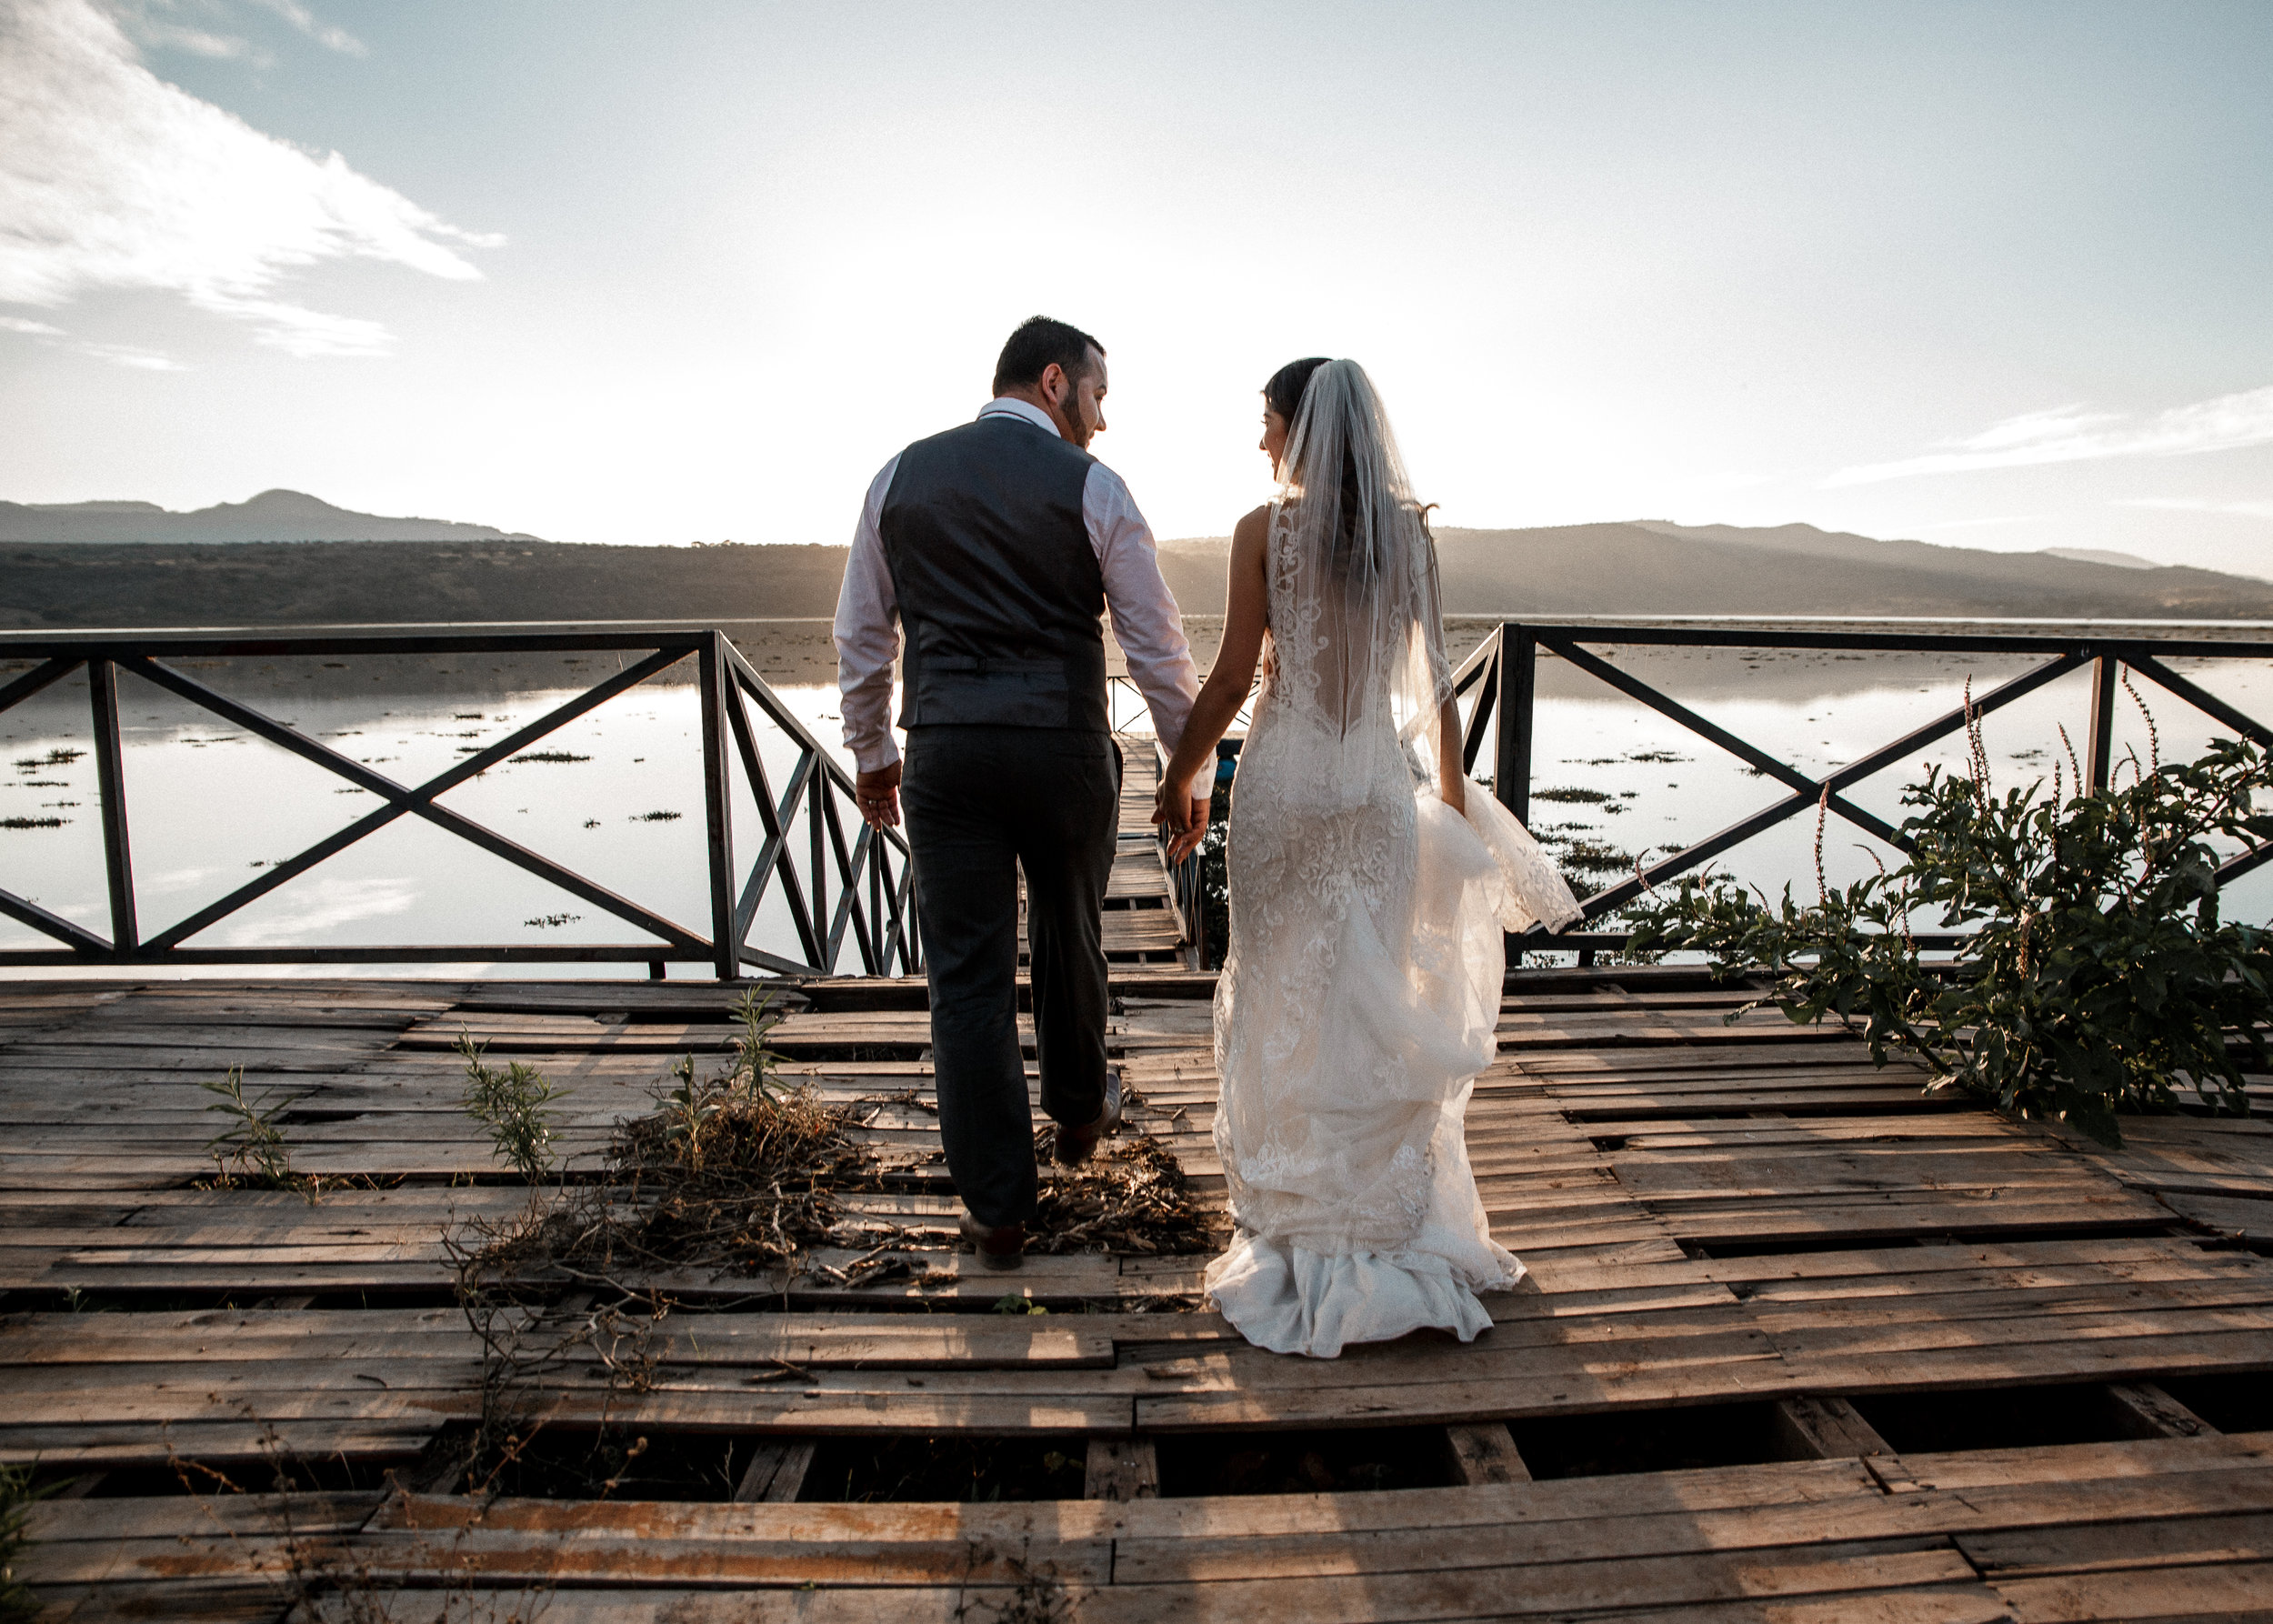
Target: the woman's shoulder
pixel 1252 526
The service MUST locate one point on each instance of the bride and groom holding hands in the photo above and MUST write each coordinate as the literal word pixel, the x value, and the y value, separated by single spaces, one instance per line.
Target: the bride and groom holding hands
pixel 1370 881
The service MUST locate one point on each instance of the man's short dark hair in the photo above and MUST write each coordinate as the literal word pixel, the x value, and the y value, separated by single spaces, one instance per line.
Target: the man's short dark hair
pixel 1039 342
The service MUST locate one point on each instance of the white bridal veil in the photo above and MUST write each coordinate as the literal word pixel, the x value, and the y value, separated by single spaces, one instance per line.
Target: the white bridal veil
pixel 1357 571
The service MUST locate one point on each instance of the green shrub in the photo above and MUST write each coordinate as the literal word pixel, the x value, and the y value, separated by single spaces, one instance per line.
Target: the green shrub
pixel 2099 975
pixel 511 1104
pixel 252 1153
pixel 755 1066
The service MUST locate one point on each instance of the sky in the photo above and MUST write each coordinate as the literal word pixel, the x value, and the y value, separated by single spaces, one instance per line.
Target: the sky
pixel 1990 274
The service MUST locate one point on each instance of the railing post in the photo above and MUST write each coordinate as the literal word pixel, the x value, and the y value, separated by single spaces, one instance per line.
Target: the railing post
pixel 102 684
pixel 816 817
pixel 2099 742
pixel 1511 772
pixel 725 944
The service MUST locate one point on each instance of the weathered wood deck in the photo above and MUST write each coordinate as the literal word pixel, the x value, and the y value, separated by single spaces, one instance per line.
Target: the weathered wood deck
pixel 1798 1344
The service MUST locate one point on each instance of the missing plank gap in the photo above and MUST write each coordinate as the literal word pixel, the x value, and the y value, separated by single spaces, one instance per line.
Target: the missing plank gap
pixel 252 1470
pixel 1122 1469
pixel 625 1463
pixel 1898 1103
pixel 1995 1418
pixel 2229 1403
pixel 1823 1428
pixel 2145 1410
pixel 1621 1443
pixel 776 1472
pixel 1485 1452
pixel 1036 1466
pixel 1860 1238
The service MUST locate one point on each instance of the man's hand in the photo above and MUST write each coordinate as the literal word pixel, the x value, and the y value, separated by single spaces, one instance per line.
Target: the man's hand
pixel 879 794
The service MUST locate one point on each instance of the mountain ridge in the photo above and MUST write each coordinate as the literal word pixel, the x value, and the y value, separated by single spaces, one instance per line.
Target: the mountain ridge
pixel 1636 567
pixel 1651 566
pixel 275 514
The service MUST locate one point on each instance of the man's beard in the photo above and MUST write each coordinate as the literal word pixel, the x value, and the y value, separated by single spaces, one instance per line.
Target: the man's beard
pixel 1075 419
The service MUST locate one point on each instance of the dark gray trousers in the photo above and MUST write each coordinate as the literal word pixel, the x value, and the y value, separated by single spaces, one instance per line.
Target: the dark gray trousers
pixel 982 801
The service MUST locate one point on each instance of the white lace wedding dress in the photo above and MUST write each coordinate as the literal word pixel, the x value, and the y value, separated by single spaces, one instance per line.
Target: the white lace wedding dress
pixel 1360 994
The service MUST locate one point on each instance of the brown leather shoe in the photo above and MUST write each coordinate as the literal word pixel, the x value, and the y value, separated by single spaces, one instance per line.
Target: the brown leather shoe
pixel 1077 1145
pixel 996 1248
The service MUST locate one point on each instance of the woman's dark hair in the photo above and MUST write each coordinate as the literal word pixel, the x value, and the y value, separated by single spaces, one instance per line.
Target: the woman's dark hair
pixel 1282 394
pixel 1038 342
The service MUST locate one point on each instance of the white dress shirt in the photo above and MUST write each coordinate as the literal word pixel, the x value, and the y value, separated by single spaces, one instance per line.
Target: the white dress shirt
pixel 1146 622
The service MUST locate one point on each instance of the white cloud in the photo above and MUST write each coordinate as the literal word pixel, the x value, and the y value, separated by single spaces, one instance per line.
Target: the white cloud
pixel 2255 510
pixel 2070 434
pixel 197 42
pixel 322 33
pixel 127 355
pixel 110 178
pixel 158 25
pixel 123 355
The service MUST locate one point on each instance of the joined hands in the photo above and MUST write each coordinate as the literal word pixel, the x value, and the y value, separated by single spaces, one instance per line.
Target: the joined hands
pixel 1183 817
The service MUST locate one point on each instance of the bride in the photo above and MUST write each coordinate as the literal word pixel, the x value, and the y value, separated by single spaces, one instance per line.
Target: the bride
pixel 1370 882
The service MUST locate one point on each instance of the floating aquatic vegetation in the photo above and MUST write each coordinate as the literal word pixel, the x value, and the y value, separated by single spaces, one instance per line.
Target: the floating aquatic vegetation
pixel 1571 792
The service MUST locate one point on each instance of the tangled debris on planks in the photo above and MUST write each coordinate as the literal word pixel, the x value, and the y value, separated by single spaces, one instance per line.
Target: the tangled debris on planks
pixel 739 1172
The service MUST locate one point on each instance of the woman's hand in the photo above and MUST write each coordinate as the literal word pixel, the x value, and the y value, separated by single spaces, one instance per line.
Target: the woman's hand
pixel 1453 793
pixel 1220 697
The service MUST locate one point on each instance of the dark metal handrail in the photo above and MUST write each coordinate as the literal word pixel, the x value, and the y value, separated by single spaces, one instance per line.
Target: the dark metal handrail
pixel 1499 679
pixel 837 890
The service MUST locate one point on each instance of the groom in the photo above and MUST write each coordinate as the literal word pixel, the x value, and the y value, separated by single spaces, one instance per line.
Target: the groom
pixel 999 545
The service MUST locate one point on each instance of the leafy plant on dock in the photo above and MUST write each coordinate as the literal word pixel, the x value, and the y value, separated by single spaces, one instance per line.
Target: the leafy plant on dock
pixel 252 1152
pixel 511 1104
pixel 756 1068
pixel 2097 974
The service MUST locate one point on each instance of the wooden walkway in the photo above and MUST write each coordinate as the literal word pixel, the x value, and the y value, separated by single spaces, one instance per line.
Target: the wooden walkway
pixel 1798 1344
pixel 1141 925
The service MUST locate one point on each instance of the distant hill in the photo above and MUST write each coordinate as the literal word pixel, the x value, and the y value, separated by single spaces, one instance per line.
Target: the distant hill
pixel 334 581
pixel 1641 567
pixel 273 515
pixel 1646 567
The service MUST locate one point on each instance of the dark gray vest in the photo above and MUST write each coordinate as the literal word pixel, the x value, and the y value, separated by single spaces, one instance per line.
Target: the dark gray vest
pixel 999 591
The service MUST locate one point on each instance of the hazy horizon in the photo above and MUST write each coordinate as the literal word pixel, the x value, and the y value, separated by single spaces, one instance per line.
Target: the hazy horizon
pixel 1987 276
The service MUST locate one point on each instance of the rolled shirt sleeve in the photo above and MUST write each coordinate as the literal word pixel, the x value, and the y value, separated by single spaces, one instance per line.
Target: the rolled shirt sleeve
pixel 1146 621
pixel 867 637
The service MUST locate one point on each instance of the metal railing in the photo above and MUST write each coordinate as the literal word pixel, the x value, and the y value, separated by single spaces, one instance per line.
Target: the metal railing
pixel 842 884
pixel 1500 681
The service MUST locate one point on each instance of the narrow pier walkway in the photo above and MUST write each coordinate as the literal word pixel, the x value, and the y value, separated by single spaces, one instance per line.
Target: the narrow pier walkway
pixel 1141 925
pixel 1798 1344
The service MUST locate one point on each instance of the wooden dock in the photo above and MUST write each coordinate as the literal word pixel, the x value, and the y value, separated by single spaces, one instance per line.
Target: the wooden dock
pixel 1797 1345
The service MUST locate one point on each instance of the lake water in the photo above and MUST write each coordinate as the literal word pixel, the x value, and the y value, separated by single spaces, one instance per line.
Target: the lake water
pixel 620 802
